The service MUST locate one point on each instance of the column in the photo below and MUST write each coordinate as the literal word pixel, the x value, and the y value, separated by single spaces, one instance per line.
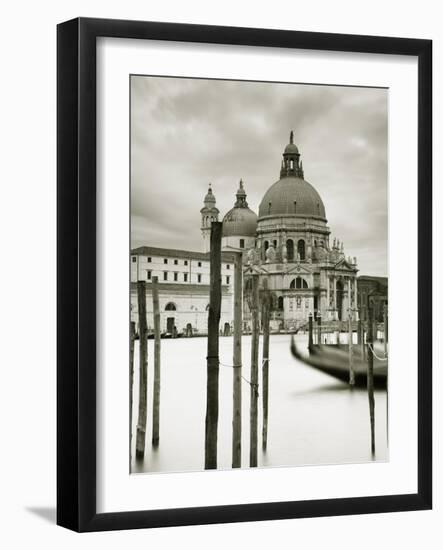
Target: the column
pixel 328 282
pixel 356 298
pixel 335 298
pixel 349 295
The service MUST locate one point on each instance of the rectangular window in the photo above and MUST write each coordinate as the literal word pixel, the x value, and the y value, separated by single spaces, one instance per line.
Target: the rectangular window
pixel 228 266
pixel 149 259
pixel 199 264
pixel 175 276
pixel 199 278
pixel 242 243
pixel 185 277
pixel 185 262
pixel 134 259
pixel 165 260
pixel 228 279
pixel 165 275
pixel 175 262
pixel 149 273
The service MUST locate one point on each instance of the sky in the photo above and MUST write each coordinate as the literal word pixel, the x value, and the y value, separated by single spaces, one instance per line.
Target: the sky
pixel 187 133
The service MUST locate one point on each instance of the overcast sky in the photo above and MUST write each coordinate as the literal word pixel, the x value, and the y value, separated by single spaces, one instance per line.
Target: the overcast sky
pixel 186 133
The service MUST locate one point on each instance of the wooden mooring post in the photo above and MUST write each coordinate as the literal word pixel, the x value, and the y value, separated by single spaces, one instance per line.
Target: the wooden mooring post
pixel 254 372
pixel 211 422
pixel 351 352
pixel 143 379
pixel 362 340
pixel 310 337
pixel 319 328
pixel 131 376
pixel 157 371
pixel 370 383
pixel 266 307
pixel 237 361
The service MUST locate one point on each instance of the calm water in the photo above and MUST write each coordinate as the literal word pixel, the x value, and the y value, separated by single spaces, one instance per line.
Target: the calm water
pixel 313 418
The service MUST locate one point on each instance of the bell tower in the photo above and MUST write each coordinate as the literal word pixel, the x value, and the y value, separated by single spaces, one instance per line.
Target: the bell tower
pixel 209 214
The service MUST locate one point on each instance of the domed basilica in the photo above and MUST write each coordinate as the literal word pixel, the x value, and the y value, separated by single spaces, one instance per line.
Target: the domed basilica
pixel 289 244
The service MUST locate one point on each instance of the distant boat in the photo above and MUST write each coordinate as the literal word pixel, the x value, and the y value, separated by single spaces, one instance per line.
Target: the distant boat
pixel 335 362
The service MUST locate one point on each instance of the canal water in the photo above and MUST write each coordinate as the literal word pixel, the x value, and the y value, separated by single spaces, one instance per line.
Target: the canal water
pixel 313 418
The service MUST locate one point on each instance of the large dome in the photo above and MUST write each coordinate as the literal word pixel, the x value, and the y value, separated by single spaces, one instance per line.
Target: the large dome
pixel 292 195
pixel 241 222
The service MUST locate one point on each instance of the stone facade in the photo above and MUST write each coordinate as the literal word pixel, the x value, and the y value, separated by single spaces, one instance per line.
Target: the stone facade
pixel 183 278
pixel 306 273
pixel 288 244
pixel 376 290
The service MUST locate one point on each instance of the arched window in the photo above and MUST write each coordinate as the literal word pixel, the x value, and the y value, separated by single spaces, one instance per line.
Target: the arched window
pixel 301 249
pixel 170 306
pixel 266 245
pixel 298 282
pixel 207 307
pixel 280 303
pixel 290 249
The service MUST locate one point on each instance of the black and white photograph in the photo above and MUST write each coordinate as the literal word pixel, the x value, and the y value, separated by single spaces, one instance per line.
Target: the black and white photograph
pixel 259 314
pixel 221 281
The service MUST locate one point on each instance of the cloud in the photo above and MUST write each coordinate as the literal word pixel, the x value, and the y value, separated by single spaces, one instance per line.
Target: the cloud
pixel 186 133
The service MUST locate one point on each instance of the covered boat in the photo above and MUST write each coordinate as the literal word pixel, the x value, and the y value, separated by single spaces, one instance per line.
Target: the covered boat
pixel 335 362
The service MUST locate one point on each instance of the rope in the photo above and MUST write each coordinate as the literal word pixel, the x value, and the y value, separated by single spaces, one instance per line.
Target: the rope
pixel 370 346
pixel 254 386
pixel 230 366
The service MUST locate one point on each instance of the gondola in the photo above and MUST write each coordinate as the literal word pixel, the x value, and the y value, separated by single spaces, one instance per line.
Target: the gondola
pixel 335 363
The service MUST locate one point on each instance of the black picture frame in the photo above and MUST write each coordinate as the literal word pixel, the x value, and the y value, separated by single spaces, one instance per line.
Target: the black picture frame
pixel 76 273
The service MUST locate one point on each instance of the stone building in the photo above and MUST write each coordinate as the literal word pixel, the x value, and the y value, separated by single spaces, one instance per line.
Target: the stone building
pixel 374 289
pixel 288 243
pixel 183 283
pixel 291 248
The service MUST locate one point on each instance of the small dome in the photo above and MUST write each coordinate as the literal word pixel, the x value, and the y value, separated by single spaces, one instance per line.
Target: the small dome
pixel 209 196
pixel 241 222
pixel 292 195
pixel 291 149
